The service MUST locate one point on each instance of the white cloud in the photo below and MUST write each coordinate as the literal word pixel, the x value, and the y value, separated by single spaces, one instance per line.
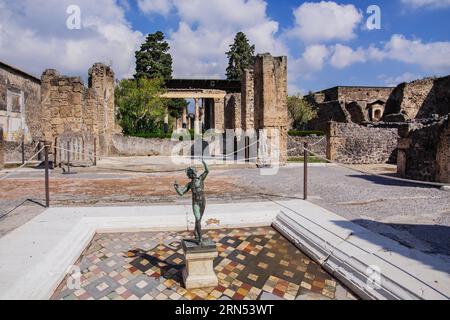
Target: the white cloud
pixel 325 21
pixel 430 56
pixel 162 7
pixel 394 81
pixel 207 28
pixel 33 36
pixel 344 56
pixel 427 3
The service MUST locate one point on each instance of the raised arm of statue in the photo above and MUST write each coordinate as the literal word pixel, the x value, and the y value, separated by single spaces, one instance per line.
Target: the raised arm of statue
pixel 182 191
pixel 206 172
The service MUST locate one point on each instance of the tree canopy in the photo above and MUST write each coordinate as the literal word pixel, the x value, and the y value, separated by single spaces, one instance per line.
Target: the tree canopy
pixel 153 60
pixel 300 110
pixel 140 108
pixel 240 57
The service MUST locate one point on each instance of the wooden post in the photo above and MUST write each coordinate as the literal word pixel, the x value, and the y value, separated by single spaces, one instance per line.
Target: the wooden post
pixel 305 172
pixel 47 184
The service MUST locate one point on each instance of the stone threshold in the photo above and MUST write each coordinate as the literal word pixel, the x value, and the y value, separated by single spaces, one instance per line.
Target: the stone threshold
pixel 371 265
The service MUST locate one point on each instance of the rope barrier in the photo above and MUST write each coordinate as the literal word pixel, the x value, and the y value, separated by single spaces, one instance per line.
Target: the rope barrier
pixel 434 184
pixel 23 165
pixel 311 145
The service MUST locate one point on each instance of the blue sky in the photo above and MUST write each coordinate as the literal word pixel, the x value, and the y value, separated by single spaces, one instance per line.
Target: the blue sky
pixel 326 42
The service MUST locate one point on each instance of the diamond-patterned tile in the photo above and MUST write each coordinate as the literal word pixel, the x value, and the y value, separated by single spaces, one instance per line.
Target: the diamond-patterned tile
pixel 253 263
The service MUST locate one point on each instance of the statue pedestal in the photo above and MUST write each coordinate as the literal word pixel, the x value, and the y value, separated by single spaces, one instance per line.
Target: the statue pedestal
pixel 199 271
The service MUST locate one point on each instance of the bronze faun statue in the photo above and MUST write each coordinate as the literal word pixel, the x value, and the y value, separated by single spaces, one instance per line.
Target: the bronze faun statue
pixel 197 187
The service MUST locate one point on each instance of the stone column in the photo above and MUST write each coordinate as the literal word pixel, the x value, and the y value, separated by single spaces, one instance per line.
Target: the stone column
pixel 202 125
pixel 184 118
pixel 197 128
pixel 219 114
pixel 175 124
pixel 166 122
pixel 271 113
pixel 248 101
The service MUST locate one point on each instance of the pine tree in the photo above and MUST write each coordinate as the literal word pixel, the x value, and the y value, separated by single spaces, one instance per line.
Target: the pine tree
pixel 153 60
pixel 240 57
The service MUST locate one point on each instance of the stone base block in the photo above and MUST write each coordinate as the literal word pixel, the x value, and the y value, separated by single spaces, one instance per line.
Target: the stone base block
pixel 199 271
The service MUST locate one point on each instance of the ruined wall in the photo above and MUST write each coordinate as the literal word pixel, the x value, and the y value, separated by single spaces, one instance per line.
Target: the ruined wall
pixel 326 112
pixel 351 143
pixel 233 110
pixel 270 86
pixel 20 107
pixel 134 146
pixel 419 99
pixel 316 144
pixel 366 94
pixel 72 110
pixel 248 100
pixel 424 151
pixel 347 104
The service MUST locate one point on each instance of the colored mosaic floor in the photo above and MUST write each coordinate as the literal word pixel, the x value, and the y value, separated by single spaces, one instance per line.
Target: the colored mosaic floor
pixel 253 263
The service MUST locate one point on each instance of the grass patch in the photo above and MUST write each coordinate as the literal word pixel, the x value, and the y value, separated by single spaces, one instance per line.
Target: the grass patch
pixel 305 133
pixel 310 160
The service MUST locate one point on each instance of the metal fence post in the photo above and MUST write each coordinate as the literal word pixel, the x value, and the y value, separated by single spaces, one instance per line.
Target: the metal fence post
pixel 95 151
pixel 47 184
pixel 68 157
pixel 23 150
pixel 305 171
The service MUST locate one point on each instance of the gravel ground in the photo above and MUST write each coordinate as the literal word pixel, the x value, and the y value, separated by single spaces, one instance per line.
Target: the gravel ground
pixel 413 215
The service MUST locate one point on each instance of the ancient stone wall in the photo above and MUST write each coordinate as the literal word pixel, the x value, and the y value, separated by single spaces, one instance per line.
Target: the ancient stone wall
pixel 20 107
pixel 424 151
pixel 365 94
pixel 13 151
pixel 419 99
pixel 315 144
pixel 350 143
pixel 348 104
pixel 72 110
pixel 248 101
pixel 134 146
pixel 271 114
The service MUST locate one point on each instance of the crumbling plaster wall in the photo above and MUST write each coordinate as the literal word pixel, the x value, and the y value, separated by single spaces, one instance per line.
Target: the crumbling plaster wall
pixel 25 124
